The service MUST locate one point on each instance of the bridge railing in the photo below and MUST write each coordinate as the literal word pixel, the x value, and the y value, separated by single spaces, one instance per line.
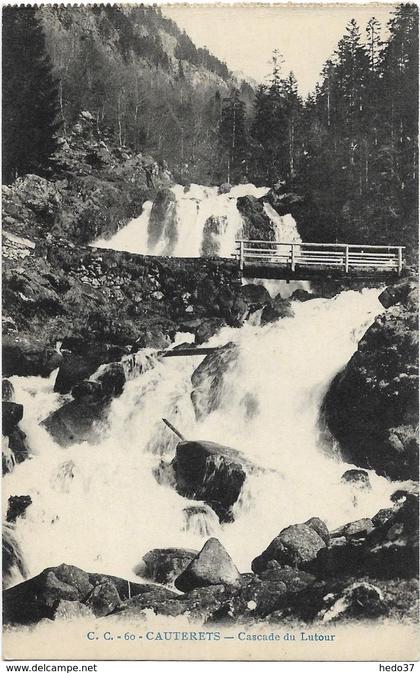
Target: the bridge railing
pixel 335 255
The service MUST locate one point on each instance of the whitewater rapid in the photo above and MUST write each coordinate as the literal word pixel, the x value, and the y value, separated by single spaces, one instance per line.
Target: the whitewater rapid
pixel 194 206
pixel 100 506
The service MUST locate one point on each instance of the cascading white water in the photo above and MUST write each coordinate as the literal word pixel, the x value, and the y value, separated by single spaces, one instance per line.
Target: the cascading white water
pixel 193 208
pixel 131 238
pixel 100 506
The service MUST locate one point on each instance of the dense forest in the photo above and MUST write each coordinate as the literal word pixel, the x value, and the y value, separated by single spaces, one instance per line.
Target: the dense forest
pixel 349 150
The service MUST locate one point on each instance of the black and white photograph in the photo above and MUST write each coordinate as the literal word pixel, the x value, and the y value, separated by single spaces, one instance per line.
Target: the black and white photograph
pixel 210 332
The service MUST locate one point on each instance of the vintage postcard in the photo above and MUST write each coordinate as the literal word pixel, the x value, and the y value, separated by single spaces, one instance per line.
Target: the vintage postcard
pixel 210 375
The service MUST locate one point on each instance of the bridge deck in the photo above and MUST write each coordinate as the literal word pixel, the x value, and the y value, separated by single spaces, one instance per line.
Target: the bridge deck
pixel 301 261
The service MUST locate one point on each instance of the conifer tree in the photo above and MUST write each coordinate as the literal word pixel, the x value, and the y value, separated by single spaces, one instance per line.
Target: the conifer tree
pixel 270 127
pixel 373 32
pixel 30 96
pixel 233 137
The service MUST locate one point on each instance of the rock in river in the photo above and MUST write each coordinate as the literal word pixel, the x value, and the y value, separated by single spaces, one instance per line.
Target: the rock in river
pixel 294 546
pixel 164 565
pixel 208 379
pixel 211 566
pixel 12 413
pixel 76 422
pixel 371 407
pixel 209 472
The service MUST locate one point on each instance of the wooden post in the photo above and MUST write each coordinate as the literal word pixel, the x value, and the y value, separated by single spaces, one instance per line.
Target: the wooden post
pixel 241 256
pixel 293 256
pixel 347 258
pixel 400 261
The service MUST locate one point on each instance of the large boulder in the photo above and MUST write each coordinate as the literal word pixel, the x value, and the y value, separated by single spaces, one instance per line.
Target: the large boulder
pixel 211 566
pixel 37 598
pixel 164 565
pixel 278 308
pixel 198 604
pixel 257 226
pixel 294 579
pixel 17 506
pixel 103 599
pixel 73 369
pixel 371 407
pixel 250 298
pixel 294 546
pixel 87 392
pixel 405 293
pixel 15 448
pixel 356 478
pixel 82 357
pixel 208 379
pixel 355 529
pixel 8 391
pixel 42 596
pixel 302 295
pixel 18 444
pixel 255 296
pixel 285 203
pixel 125 588
pixel 209 472
pixel 385 546
pixel 77 422
pixel 12 413
pixel 112 379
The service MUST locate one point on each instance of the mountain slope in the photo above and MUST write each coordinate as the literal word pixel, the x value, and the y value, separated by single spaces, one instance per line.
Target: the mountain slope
pixel 139 75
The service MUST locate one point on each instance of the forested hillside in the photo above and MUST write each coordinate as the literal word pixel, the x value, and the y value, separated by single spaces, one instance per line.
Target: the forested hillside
pixel 348 151
pixel 139 75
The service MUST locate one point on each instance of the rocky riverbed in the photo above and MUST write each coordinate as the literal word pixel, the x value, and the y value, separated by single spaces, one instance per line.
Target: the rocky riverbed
pixel 95 318
pixel 308 574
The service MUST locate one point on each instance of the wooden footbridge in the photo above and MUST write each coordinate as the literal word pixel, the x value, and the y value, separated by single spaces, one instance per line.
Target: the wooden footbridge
pixel 303 261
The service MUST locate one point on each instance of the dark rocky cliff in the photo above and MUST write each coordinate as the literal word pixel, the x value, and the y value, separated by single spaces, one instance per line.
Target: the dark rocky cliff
pixel 372 405
pixel 94 187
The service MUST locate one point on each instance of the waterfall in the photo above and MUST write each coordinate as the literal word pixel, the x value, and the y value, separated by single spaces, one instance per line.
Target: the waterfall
pixel 100 507
pixel 201 222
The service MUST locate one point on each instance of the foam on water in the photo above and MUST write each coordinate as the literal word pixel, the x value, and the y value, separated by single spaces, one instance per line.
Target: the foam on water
pixel 100 506
pixel 193 207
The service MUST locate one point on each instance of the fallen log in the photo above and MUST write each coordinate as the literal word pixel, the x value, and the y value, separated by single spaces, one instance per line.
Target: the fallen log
pixel 187 351
pixel 174 430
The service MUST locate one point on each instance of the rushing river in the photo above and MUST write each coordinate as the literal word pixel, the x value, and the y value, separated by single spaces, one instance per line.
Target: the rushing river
pixel 100 507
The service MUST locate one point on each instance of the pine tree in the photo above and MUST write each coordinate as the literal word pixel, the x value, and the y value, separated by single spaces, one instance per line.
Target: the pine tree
pixel 30 95
pixel 399 99
pixel 233 137
pixel 373 32
pixel 270 127
pixel 293 111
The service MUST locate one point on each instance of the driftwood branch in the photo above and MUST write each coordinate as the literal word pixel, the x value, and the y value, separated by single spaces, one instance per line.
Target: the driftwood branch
pixel 174 430
pixel 187 351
